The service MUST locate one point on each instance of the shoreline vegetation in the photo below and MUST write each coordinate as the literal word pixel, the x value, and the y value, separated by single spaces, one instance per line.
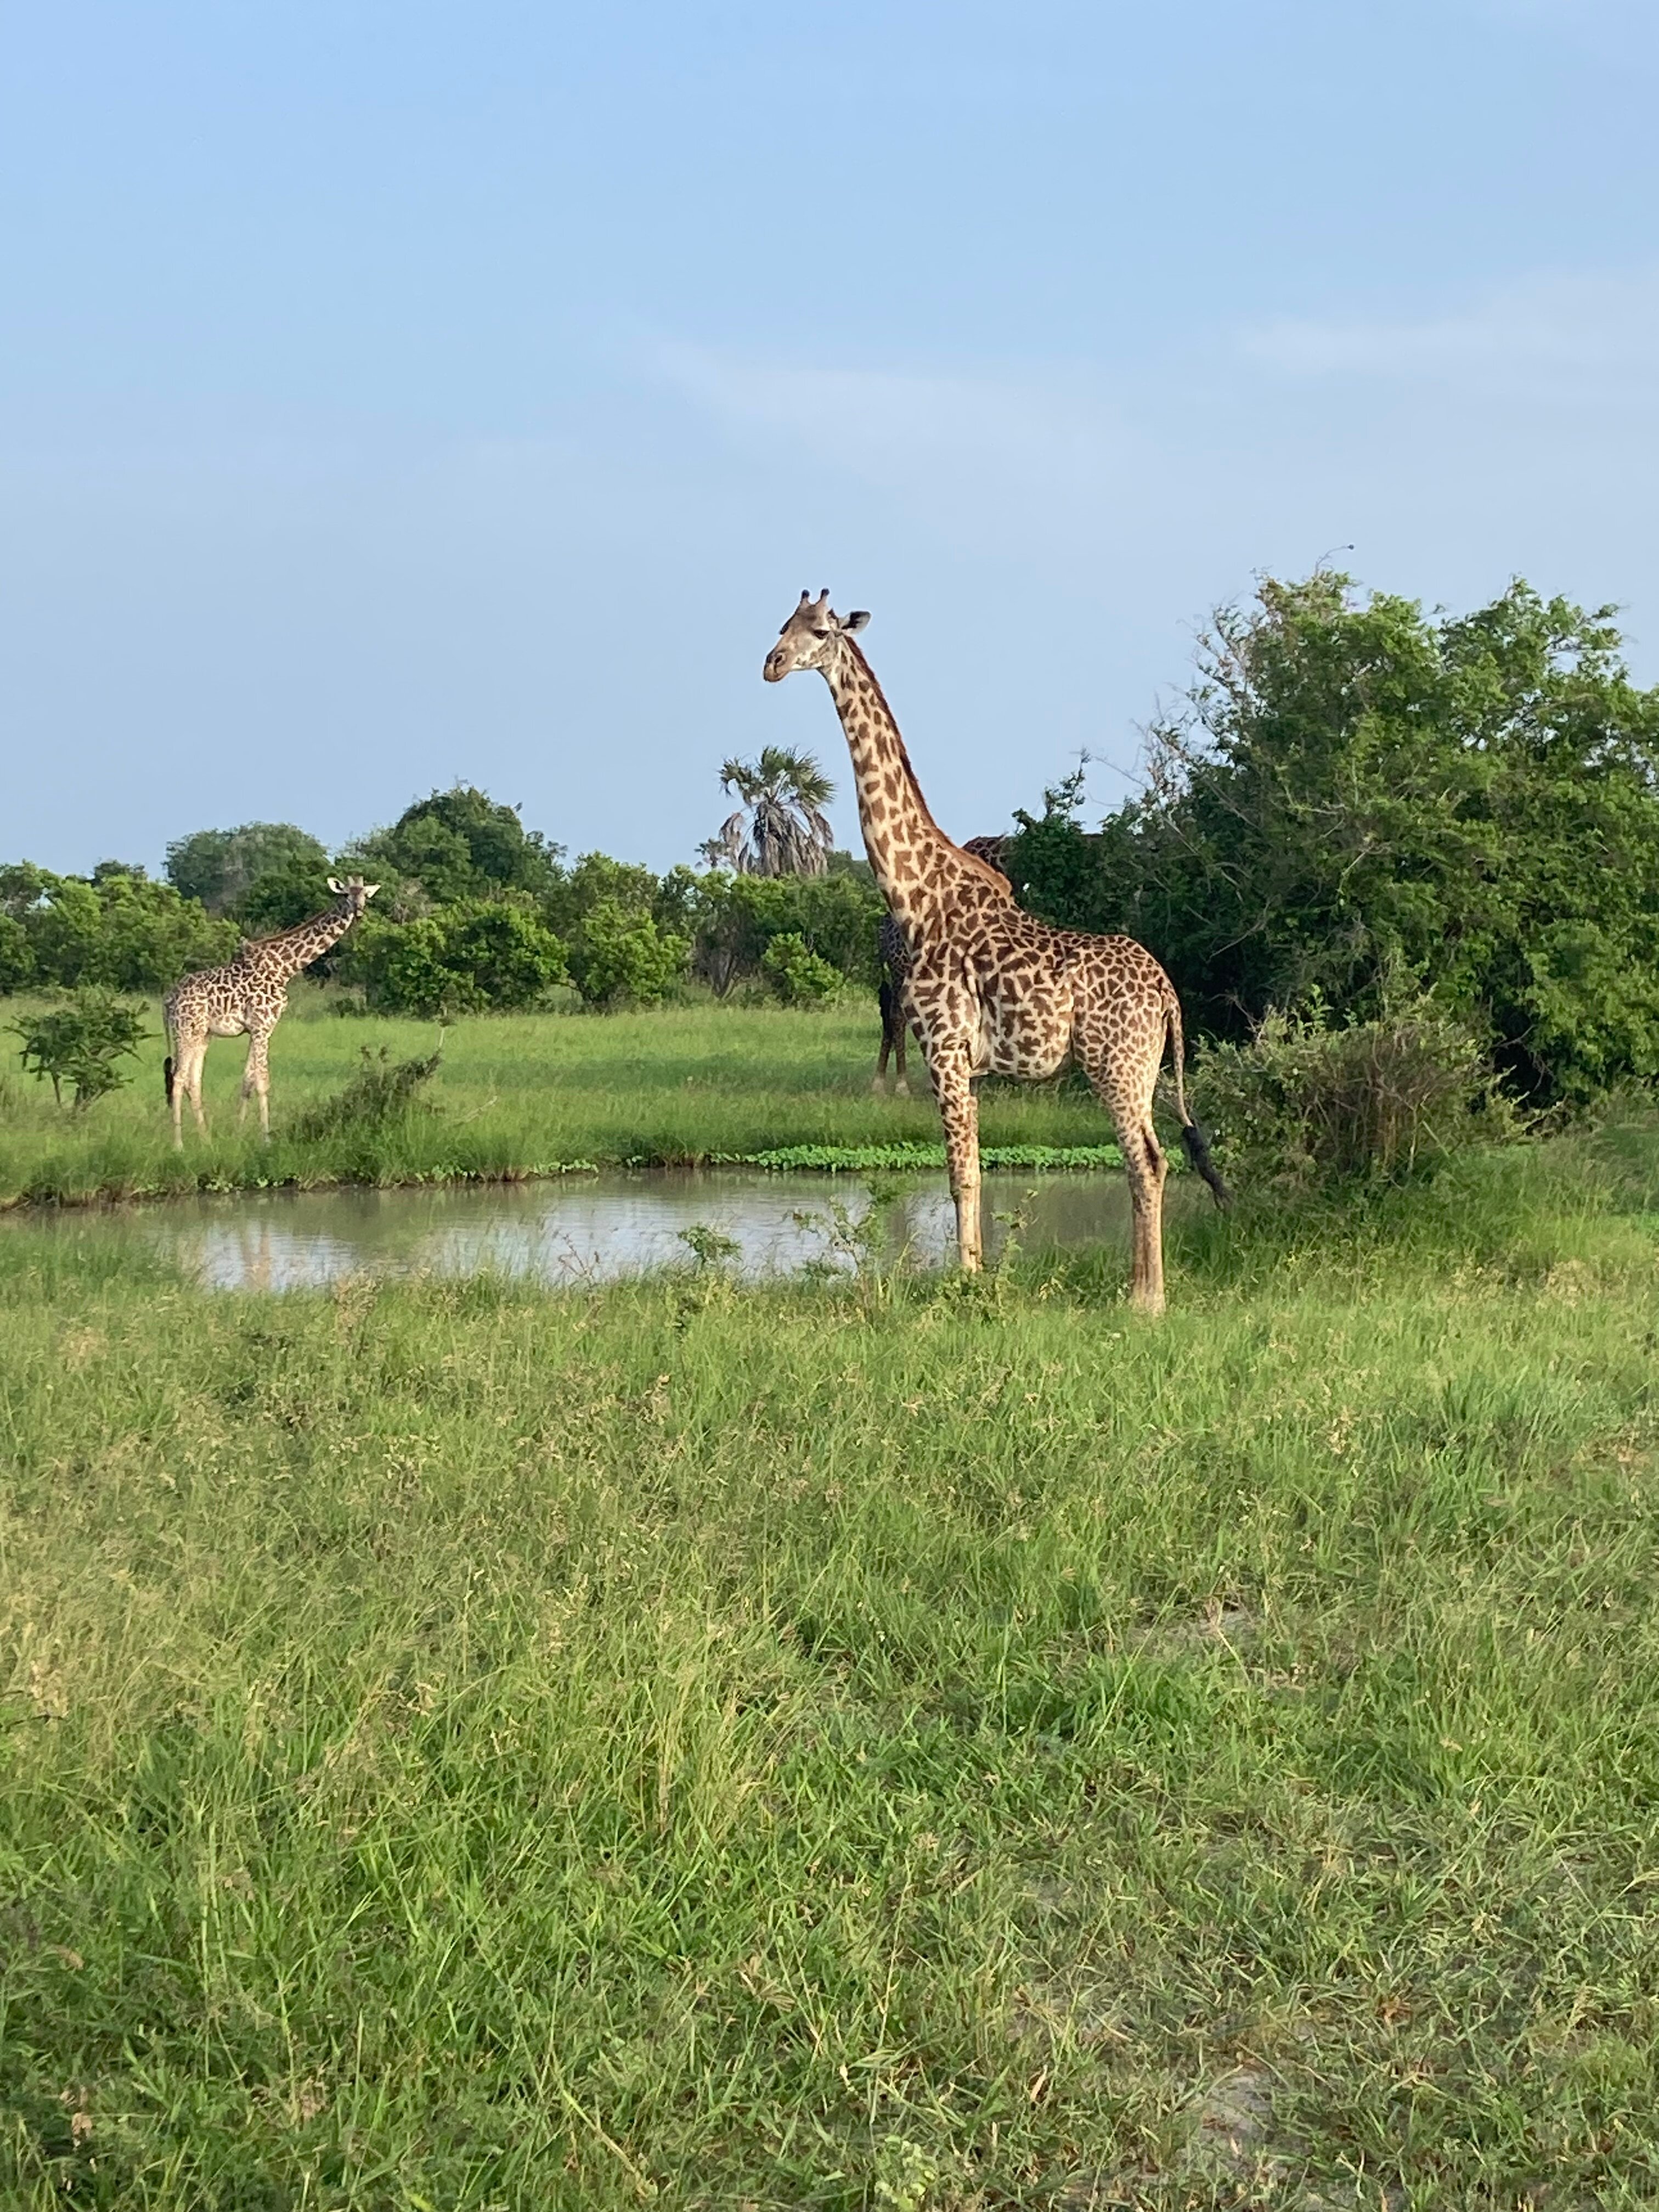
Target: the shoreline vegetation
pixel 520 1098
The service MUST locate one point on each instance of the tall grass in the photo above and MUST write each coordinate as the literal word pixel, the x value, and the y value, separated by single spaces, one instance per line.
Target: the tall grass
pixel 922 1744
pixel 514 1097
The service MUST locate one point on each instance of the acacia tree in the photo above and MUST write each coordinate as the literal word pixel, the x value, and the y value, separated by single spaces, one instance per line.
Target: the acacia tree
pixel 780 829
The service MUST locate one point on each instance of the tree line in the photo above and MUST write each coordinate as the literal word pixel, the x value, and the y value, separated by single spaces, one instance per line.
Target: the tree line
pixel 476 913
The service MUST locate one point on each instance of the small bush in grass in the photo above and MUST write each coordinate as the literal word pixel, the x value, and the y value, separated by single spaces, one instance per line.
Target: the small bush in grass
pixel 796 973
pixel 381 1089
pixel 79 1044
pixel 1303 1101
pixel 618 957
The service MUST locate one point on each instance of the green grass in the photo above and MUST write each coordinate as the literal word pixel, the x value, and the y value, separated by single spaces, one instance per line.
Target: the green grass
pixel 917 1745
pixel 516 1098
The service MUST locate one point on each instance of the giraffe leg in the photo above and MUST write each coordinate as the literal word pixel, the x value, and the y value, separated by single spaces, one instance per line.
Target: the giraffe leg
pixel 901 1081
pixel 959 1110
pixel 258 1054
pixel 256 1081
pixel 192 1079
pixel 1145 1168
pixel 176 1093
pixel 885 997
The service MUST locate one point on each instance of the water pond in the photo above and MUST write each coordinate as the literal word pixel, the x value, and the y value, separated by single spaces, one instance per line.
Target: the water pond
pixel 597 1229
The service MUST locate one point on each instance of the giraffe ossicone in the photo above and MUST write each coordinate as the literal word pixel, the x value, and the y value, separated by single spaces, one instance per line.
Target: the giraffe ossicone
pixel 248 996
pixel 991 990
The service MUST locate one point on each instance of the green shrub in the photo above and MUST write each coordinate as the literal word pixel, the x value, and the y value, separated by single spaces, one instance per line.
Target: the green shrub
pixel 1303 1101
pixel 618 956
pixel 381 1089
pixel 462 959
pixel 80 1044
pixel 796 973
pixel 16 958
pixel 834 916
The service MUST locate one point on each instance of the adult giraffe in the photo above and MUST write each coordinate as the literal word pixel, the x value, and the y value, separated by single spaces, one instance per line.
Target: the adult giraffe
pixel 248 993
pixel 993 990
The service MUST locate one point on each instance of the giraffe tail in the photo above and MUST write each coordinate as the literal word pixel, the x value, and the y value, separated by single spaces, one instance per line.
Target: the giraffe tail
pixel 167 1077
pixel 1195 1141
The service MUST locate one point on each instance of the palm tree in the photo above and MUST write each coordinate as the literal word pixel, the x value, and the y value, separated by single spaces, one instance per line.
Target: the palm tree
pixel 780 829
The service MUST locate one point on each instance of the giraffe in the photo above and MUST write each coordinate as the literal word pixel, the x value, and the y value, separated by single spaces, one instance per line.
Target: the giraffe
pixel 248 993
pixel 991 989
pixel 893 963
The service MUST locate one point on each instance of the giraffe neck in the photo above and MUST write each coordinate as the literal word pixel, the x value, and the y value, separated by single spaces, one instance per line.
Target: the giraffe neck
pixel 915 863
pixel 291 950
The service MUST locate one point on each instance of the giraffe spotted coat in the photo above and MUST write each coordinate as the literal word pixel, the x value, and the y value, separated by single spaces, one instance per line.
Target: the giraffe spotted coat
pixel 894 959
pixel 992 990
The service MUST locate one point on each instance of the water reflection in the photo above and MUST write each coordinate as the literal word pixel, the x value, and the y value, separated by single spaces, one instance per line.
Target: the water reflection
pixel 598 1228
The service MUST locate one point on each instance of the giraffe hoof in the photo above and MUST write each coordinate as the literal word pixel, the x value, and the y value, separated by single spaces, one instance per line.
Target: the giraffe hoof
pixel 901 1089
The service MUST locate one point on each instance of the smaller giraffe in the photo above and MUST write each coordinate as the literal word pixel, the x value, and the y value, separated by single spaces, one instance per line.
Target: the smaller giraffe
pixel 248 995
pixel 893 956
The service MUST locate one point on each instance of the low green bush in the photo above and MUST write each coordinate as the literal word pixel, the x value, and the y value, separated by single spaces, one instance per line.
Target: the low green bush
pixel 382 1089
pixel 1305 1102
pixel 796 973
pixel 620 957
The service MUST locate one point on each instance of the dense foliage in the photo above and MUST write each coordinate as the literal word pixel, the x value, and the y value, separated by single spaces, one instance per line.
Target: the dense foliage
pixel 1356 796
pixel 457 845
pixel 460 959
pixel 114 929
pixel 220 868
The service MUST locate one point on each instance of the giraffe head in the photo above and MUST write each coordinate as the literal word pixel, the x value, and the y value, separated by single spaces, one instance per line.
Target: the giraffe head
pixel 355 891
pixel 810 638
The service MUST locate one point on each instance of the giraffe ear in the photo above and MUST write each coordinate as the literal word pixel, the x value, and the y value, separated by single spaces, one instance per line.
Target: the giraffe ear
pixel 855 621
pixel 369 890
pixel 335 886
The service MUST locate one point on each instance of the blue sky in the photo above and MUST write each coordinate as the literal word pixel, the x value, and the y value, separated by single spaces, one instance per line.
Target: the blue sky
pixel 396 394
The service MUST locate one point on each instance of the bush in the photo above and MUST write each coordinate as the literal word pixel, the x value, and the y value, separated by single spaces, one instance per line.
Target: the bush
pixel 381 1089
pixel 796 973
pixel 462 959
pixel 80 1044
pixel 1303 1101
pixel 834 916
pixel 16 958
pixel 617 956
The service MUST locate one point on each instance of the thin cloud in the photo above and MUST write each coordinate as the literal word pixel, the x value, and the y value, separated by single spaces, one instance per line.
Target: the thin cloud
pixel 1550 336
pixel 980 451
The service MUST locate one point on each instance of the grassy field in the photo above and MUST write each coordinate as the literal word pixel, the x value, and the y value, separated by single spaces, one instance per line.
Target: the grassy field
pixel 512 1097
pixel 915 1745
